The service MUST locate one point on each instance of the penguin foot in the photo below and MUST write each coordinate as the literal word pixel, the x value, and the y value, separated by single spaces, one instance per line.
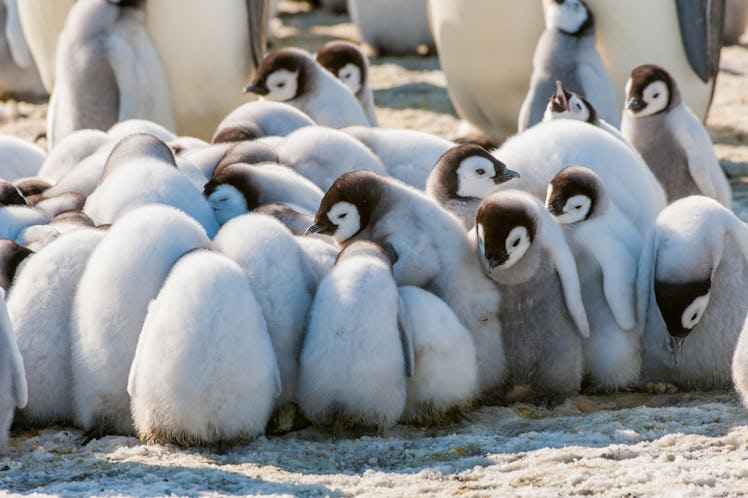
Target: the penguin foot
pixel 96 432
pixel 661 388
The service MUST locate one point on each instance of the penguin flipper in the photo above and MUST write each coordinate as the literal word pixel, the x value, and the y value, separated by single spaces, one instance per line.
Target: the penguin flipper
pixel 257 22
pixel 701 24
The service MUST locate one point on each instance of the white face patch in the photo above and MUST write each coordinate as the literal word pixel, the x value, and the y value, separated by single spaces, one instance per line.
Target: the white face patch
pixel 350 76
pixel 656 97
pixel 693 313
pixel 345 216
pixel 475 177
pixel 517 243
pixel 282 84
pixel 227 202
pixel 568 16
pixel 578 109
pixel 576 209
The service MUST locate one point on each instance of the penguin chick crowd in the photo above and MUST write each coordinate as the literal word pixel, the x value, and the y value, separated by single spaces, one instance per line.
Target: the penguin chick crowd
pixel 306 267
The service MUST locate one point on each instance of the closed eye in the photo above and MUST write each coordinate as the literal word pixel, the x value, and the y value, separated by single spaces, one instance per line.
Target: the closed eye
pixel 515 243
pixel 342 216
pixel 480 171
pixel 655 95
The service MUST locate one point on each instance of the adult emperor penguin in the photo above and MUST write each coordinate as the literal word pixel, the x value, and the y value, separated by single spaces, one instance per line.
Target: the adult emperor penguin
pixel 566 51
pixel 104 59
pixel 606 247
pixel 230 396
pixel 281 278
pixel 543 319
pixel 692 286
pixel 462 177
pixel 19 75
pixel 681 35
pixel 131 262
pixel 445 377
pixel 13 388
pixel 671 138
pixel 187 35
pixel 357 351
pixel 540 152
pixel 740 364
pixel 40 305
pixel 291 75
pixel 391 26
pixel 351 66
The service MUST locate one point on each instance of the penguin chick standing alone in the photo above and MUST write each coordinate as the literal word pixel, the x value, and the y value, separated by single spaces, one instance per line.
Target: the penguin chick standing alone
pixel 542 314
pixel 606 248
pixel 670 138
pixel 203 374
pixel 351 66
pixel 291 75
pixel 357 351
pixel 692 285
pixel 566 51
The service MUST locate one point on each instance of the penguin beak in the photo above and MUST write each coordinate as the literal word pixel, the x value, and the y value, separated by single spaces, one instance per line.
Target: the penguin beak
pixel 636 104
pixel 313 229
pixel 321 228
pixel 554 209
pixel 257 88
pixel 559 102
pixel 505 176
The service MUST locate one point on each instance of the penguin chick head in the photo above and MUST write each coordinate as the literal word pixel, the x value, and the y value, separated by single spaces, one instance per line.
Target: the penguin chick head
pixel 650 90
pixel 568 16
pixel 682 304
pixel 348 205
pixel 468 171
pixel 231 191
pixel 575 194
pixel 11 256
pixel 282 75
pixel 564 104
pixel 346 61
pixel 505 229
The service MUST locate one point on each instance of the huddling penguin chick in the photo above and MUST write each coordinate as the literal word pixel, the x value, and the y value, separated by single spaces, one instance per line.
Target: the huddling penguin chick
pixel 260 118
pixel 357 351
pixel 238 188
pixel 445 377
pixel 204 371
pixel 692 284
pixel 740 364
pixel 322 154
pixel 13 389
pixel 12 254
pixel 670 138
pixel 564 104
pixel 69 151
pixel 123 274
pixel 141 170
pixel 291 75
pixel 542 314
pixel 606 248
pixel 408 155
pixel 292 219
pixel 566 51
pixel 351 66
pixel 40 305
pixel 462 177
pixel 10 195
pixel 283 282
pixel 105 58
pixel 20 158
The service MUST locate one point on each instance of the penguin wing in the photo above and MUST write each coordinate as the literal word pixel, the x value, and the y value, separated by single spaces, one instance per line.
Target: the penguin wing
pixel 19 49
pixel 535 103
pixel 257 21
pixel 701 24
pixel 703 164
pixel 555 245
pixel 406 337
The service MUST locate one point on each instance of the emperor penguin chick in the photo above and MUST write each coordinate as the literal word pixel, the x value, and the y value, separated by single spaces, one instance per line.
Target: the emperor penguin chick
pixel 351 66
pixel 291 75
pixel 12 254
pixel 131 263
pixel 542 315
pixel 692 285
pixel 40 305
pixel 445 377
pixel 230 396
pixel 606 248
pixel 357 350
pixel 282 280
pixel 13 388
pixel 462 177
pixel 260 118
pixel 566 51
pixel 670 138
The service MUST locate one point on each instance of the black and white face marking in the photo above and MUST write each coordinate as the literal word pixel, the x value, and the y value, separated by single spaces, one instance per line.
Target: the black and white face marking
pixel 227 202
pixel 573 194
pixel 569 105
pixel 468 171
pixel 505 232
pixel 282 75
pixel 282 85
pixel 682 305
pixel 346 61
pixel 231 192
pixel 648 91
pixel 350 75
pixel 10 195
pixel 569 16
pixel 341 222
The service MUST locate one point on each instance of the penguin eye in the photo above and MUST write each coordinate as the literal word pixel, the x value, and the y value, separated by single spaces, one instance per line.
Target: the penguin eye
pixel 578 206
pixel 656 95
pixel 281 84
pixel 342 216
pixel 516 242
pixel 480 171
pixel 579 107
